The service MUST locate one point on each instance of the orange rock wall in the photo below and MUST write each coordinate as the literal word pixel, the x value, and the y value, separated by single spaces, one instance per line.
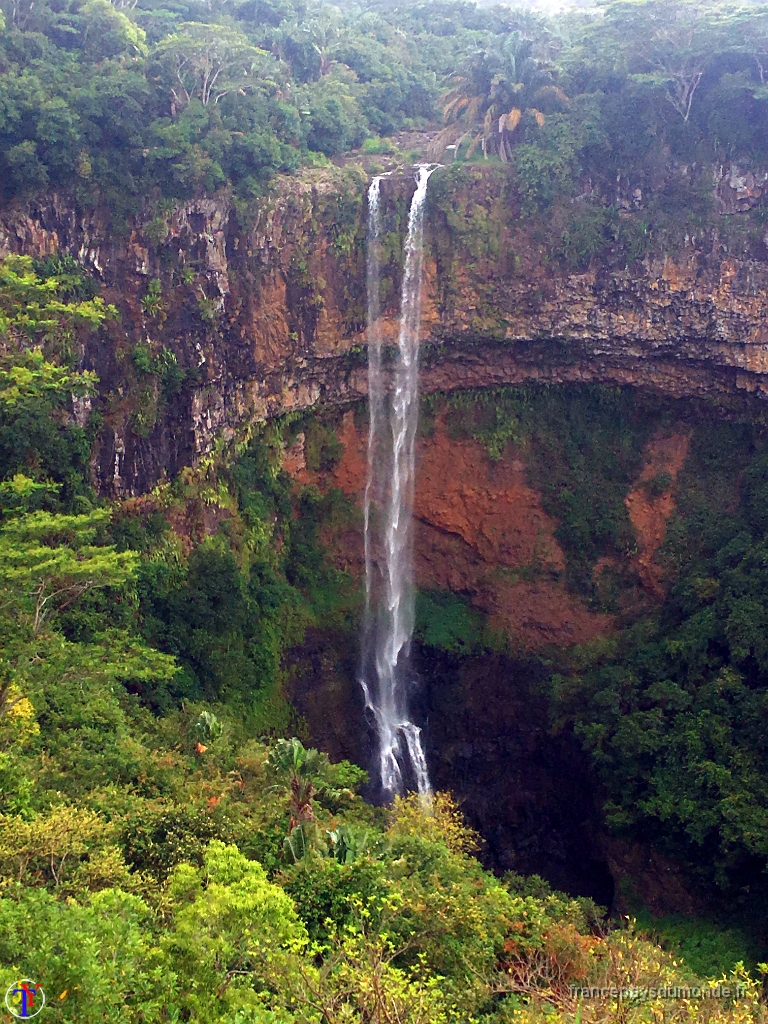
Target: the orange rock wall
pixel 481 531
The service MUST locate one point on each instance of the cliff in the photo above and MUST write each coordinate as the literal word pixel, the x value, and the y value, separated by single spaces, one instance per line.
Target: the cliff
pixel 229 314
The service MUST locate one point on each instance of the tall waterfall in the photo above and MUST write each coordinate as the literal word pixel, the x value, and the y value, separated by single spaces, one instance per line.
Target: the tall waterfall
pixel 388 508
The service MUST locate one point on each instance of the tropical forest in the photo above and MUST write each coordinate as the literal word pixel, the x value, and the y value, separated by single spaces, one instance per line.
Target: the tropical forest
pixel 384 511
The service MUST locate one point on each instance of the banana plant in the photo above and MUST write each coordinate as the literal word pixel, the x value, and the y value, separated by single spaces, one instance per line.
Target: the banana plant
pixel 302 774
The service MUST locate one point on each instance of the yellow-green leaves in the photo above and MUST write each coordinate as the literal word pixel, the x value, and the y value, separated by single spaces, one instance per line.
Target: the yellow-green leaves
pixel 49 561
pixel 236 923
pixel 33 310
pixel 30 377
pixel 40 848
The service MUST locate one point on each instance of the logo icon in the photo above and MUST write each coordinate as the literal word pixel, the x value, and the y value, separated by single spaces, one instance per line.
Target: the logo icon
pixel 25 999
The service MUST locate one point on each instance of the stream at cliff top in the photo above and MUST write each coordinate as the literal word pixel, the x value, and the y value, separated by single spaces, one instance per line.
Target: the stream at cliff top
pixel 388 508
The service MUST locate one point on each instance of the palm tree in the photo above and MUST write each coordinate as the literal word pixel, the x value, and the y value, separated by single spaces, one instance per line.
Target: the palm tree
pixel 303 774
pixel 491 94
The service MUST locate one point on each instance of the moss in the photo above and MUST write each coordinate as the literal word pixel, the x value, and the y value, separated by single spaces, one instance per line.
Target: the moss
pixel 658 485
pixel 445 622
pixel 470 217
pixel 583 449
pixel 323 450
pixel 145 411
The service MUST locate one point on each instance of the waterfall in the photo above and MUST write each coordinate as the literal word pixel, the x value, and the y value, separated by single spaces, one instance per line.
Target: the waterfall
pixel 388 508
pixel 375 389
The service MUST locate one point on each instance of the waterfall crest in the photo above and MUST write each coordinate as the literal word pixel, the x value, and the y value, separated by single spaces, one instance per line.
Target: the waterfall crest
pixel 388 508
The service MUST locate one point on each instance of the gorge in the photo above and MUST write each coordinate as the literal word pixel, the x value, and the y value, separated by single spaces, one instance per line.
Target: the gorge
pixel 384 511
pixel 271 324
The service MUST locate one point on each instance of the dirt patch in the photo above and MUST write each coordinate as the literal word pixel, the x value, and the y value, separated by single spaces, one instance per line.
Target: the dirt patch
pixel 534 612
pixel 349 473
pixel 484 533
pixel 489 505
pixel 651 502
pixel 294 461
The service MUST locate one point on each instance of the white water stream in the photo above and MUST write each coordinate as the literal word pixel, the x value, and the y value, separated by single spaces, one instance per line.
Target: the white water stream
pixel 388 508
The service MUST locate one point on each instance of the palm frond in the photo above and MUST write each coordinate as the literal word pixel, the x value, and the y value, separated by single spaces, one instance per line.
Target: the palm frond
pixel 474 107
pixel 552 94
pixel 536 115
pixel 473 147
pixel 455 107
pixel 446 137
pixel 513 119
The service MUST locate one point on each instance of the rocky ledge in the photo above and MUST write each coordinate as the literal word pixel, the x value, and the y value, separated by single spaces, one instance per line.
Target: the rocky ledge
pixel 261 311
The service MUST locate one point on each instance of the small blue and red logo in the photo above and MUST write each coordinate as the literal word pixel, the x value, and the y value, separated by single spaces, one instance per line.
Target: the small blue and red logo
pixel 25 999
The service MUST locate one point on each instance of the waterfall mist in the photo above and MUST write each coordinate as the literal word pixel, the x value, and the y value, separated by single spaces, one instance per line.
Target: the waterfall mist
pixel 388 508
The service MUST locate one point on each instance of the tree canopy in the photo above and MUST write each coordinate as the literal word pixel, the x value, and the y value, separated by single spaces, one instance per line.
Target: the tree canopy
pixel 118 104
pixel 171 848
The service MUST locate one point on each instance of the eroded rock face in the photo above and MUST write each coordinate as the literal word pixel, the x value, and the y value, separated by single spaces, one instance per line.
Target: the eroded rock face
pixel 651 502
pixel 480 531
pixel 267 316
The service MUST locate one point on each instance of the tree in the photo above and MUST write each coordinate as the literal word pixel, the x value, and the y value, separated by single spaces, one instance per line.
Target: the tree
pixel 42 318
pixel 49 561
pixel 335 122
pixel 749 31
pixel 665 44
pixel 209 61
pixel 304 774
pixel 108 32
pixel 309 44
pixel 230 922
pixel 672 709
pixel 96 960
pixel 28 381
pixel 491 91
pixel 34 310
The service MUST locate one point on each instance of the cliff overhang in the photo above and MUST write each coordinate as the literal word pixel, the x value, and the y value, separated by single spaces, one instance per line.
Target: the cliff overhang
pixel 263 312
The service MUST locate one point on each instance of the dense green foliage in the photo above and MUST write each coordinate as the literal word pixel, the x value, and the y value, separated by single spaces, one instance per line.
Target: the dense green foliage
pixel 672 709
pixel 134 105
pixel 163 854
pixel 120 103
pixel 447 623
pixel 703 947
pixel 166 852
pixel 671 706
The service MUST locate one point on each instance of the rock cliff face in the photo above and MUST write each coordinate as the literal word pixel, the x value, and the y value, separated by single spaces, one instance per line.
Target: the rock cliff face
pixel 481 532
pixel 262 310
pixel 484 535
pixel 229 316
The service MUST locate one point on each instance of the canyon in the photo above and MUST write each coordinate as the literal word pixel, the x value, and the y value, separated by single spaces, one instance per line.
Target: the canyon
pixel 259 313
pixel 263 309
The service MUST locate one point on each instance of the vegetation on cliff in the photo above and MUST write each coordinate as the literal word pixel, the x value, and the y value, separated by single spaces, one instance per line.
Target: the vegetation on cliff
pixel 162 855
pixel 671 709
pixel 670 703
pixel 168 849
pixel 134 105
